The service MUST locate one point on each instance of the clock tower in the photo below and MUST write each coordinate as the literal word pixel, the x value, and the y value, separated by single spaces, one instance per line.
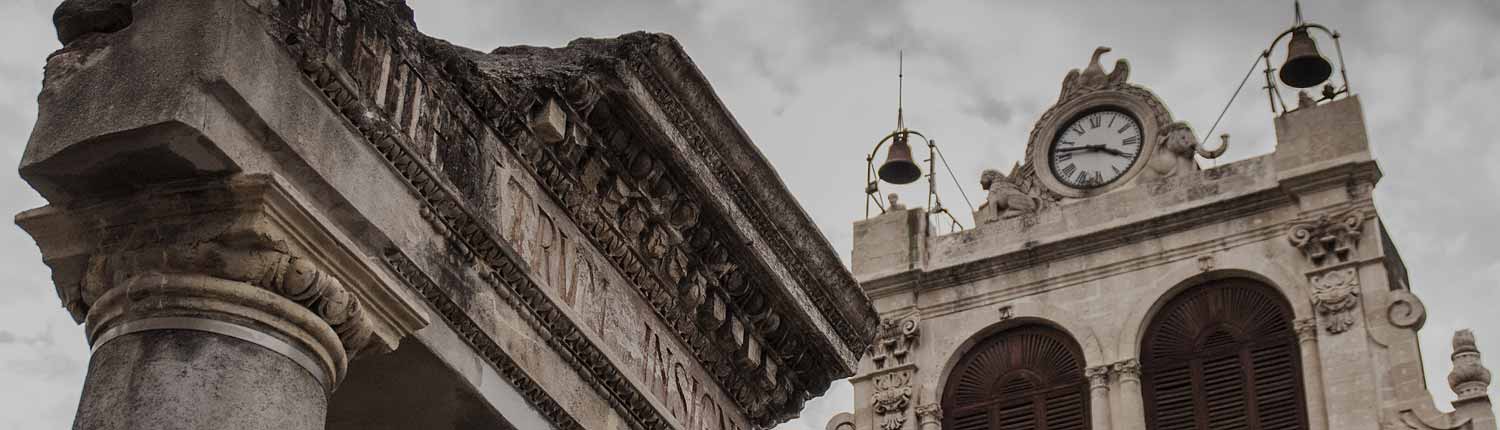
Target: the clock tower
pixel 1112 283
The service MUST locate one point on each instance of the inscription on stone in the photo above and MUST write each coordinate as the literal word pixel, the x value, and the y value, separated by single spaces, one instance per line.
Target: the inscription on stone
pixel 620 321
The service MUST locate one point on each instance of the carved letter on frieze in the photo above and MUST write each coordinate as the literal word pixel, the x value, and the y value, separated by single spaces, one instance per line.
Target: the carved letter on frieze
pixel 893 339
pixel 1335 295
pixel 1334 235
pixel 892 395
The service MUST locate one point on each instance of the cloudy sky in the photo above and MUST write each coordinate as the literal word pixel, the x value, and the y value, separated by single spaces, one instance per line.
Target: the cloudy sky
pixel 813 83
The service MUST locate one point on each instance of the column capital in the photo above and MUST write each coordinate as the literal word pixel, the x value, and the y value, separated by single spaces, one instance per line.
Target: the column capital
pixel 1127 370
pixel 1098 376
pixel 1307 329
pixel 238 256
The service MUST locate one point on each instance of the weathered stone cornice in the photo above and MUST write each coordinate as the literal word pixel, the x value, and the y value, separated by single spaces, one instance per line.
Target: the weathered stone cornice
pixel 701 274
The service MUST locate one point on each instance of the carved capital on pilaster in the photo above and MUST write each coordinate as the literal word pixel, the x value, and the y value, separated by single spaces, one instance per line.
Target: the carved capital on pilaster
pixel 1127 370
pixel 1098 376
pixel 1327 238
pixel 894 339
pixel 239 257
pixel 929 416
pixel 1307 329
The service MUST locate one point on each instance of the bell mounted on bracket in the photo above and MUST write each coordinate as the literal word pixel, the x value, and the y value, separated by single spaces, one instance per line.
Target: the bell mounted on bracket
pixel 901 168
pixel 1305 66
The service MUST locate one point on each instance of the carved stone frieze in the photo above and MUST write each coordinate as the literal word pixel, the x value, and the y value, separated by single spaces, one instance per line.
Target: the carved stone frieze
pixel 642 217
pixel 1335 294
pixel 1328 235
pixel 894 340
pixel 892 395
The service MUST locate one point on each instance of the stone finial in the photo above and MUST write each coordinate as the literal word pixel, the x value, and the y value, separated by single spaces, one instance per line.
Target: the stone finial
pixel 1469 378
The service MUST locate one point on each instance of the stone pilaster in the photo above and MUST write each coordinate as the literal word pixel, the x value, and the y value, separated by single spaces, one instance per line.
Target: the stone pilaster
pixel 220 303
pixel 1099 396
pixel 929 417
pixel 1132 412
pixel 1312 373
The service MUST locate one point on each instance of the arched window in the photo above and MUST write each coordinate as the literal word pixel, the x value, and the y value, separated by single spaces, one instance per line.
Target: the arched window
pixel 1028 377
pixel 1223 355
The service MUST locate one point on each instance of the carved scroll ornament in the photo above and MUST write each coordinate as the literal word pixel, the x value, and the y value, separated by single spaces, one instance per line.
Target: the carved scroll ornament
pixel 894 339
pixel 1327 235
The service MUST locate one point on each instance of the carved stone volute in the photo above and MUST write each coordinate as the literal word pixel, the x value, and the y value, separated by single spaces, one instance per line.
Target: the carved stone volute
pixel 1328 237
pixel 894 340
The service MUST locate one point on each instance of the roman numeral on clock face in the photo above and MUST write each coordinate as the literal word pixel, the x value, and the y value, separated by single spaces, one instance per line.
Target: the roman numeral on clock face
pixel 1095 120
pixel 1077 128
pixel 1132 140
pixel 1068 170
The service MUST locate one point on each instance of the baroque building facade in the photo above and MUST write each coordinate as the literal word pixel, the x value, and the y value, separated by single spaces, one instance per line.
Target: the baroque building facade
pixel 1111 283
pixel 306 214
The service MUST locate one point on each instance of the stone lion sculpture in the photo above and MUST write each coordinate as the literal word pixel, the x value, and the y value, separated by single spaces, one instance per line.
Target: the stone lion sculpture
pixel 1005 200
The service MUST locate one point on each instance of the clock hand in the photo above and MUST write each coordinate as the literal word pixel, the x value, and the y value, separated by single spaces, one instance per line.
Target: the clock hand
pixel 1082 148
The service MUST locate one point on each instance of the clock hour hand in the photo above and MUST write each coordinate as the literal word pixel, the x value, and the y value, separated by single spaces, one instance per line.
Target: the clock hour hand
pixel 1099 148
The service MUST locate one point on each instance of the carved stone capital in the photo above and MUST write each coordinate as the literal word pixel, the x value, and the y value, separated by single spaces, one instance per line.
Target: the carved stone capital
pixel 1327 235
pixel 894 340
pixel 1335 294
pixel 927 414
pixel 1127 370
pixel 1098 376
pixel 238 257
pixel 1307 329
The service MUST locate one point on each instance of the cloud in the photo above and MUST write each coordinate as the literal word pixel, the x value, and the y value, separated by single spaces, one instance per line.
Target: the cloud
pixel 813 83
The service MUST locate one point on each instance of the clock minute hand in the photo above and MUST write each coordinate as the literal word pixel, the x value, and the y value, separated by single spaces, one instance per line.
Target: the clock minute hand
pixel 1083 148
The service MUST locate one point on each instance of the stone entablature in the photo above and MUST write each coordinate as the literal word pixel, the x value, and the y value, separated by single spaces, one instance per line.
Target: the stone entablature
pixel 534 205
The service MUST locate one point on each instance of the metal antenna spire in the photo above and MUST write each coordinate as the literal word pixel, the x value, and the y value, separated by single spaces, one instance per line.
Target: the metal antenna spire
pixel 900 81
pixel 1297 6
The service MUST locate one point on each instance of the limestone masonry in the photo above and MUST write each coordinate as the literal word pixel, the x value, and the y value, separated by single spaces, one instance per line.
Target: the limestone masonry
pixel 1261 294
pixel 306 214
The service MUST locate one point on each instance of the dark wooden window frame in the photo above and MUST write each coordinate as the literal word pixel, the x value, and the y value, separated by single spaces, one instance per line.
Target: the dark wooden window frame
pixel 1047 383
pixel 1257 320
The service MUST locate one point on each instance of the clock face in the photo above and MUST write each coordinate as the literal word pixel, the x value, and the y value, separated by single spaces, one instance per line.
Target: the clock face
pixel 1095 149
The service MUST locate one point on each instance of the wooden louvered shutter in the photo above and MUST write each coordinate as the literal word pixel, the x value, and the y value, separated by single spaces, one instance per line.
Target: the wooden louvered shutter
pixel 1028 377
pixel 1223 356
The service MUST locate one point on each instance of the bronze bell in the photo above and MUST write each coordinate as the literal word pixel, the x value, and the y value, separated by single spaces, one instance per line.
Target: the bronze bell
pixel 1304 66
pixel 898 167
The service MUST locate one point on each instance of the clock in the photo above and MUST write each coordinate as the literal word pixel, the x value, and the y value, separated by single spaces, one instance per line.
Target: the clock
pixel 1095 149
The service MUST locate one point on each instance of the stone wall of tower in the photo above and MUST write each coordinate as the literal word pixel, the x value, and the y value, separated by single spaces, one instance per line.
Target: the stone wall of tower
pixel 1300 220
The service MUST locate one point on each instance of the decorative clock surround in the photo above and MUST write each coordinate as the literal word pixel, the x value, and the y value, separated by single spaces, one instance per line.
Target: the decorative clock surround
pixel 1085 93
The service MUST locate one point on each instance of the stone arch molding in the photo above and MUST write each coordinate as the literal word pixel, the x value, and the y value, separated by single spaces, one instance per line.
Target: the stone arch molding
pixel 1024 311
pixel 1188 273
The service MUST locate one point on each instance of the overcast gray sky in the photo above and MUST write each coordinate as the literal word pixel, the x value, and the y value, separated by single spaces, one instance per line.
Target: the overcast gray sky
pixel 813 83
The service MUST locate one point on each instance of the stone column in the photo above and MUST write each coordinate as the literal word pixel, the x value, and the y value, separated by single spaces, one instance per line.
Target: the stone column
pixel 211 305
pixel 1132 411
pixel 929 417
pixel 1312 373
pixel 1099 396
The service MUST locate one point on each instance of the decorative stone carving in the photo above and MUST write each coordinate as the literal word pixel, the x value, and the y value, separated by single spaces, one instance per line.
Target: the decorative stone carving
pixel 1406 310
pixel 1093 78
pixel 1206 262
pixel 1335 294
pixel 1328 235
pixel 1306 328
pixel 1468 378
pixel 1007 312
pixel 1180 145
pixel 894 202
pixel 1098 376
pixel 892 396
pixel 1005 198
pixel 238 250
pixel 1127 370
pixel 894 339
pixel 842 421
pixel 929 416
